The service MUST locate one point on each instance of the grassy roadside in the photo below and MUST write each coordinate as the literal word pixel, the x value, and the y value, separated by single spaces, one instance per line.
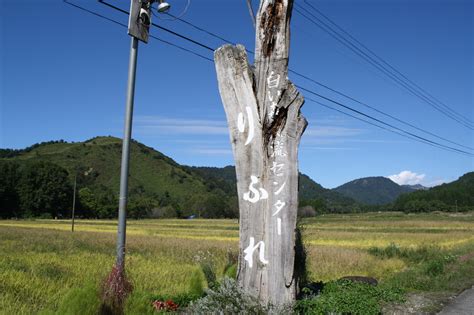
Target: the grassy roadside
pixel 436 276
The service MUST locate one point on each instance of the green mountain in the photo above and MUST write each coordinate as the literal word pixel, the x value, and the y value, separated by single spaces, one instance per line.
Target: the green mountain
pixel 155 179
pixel 454 196
pixel 373 190
pixel 158 185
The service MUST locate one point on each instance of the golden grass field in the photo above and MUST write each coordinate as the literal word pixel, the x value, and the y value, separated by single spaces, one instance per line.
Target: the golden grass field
pixel 41 260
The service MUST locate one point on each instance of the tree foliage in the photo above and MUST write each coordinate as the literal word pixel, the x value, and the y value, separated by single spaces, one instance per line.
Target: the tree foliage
pixel 44 188
pixel 9 199
pixel 455 196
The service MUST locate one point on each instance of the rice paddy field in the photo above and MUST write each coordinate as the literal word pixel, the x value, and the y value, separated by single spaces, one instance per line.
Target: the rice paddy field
pixel 42 260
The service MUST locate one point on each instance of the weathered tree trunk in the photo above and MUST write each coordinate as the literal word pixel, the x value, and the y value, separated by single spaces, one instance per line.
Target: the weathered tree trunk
pixel 263 114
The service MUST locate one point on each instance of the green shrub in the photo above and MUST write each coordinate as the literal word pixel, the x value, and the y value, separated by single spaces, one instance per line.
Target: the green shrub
pixel 347 297
pixel 228 298
pixel 434 267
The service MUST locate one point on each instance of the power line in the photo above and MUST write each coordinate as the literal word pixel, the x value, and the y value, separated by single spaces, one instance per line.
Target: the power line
pixel 409 134
pixel 347 107
pixel 462 120
pixel 385 62
pixel 383 113
pixel 327 87
pixel 341 39
pixel 374 124
pixel 382 122
pixel 206 31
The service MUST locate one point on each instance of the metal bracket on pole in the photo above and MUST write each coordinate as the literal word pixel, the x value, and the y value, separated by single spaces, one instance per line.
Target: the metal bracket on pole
pixel 139 20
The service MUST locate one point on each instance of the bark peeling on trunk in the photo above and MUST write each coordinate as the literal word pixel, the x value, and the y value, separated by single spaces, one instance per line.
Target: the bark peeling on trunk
pixel 265 123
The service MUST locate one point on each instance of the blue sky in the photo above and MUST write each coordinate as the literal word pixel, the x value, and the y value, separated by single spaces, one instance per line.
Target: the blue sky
pixel 64 72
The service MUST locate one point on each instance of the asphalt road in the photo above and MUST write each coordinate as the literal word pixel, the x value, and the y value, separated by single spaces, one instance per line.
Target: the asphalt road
pixel 462 305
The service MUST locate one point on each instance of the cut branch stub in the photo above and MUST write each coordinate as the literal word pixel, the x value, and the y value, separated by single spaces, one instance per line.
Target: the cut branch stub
pixel 265 123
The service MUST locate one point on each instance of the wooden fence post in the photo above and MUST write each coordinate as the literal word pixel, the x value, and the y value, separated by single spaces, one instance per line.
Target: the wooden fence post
pixel 265 123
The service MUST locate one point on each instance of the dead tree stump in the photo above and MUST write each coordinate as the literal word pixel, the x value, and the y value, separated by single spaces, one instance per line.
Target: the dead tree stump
pixel 263 114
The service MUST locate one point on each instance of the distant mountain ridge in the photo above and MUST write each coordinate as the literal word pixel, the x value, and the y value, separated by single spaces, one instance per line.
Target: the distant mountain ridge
pixel 373 190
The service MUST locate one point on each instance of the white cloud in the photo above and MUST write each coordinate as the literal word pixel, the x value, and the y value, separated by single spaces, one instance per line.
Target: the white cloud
pixel 159 125
pixel 332 131
pixel 407 178
pixel 329 120
pixel 155 125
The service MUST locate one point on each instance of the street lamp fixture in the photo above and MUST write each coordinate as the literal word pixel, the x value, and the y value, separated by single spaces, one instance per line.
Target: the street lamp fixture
pixel 163 6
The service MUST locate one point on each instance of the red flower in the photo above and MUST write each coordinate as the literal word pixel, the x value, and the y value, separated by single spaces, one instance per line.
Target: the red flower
pixel 165 306
pixel 171 306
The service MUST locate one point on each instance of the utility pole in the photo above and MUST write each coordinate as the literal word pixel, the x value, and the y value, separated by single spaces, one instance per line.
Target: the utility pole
pixel 124 169
pixel 138 27
pixel 74 202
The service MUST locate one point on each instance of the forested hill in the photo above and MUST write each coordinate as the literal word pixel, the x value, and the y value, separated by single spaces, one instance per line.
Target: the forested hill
pixel 156 181
pixel 158 185
pixel 38 181
pixel 310 192
pixel 454 196
pixel 373 190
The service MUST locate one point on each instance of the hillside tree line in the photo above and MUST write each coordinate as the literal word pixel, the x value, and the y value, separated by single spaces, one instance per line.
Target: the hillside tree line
pixel 45 190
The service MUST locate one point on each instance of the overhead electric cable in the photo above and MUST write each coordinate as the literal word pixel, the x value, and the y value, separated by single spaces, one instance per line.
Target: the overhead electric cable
pixel 341 39
pixel 382 113
pixel 329 88
pixel 373 124
pixel 384 61
pixel 380 121
pixel 410 135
